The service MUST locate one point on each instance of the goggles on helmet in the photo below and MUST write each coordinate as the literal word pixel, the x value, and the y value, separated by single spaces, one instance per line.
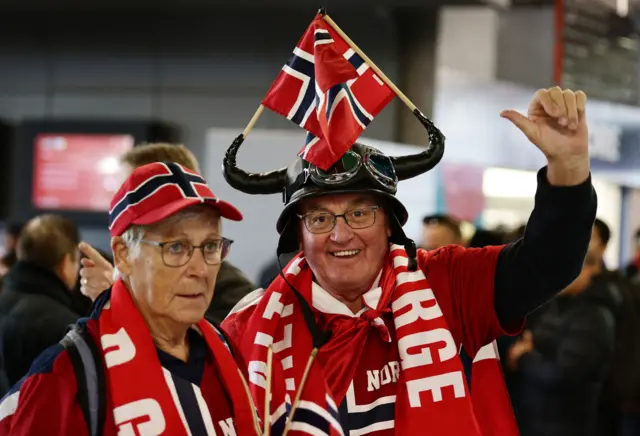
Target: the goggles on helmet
pixel 379 168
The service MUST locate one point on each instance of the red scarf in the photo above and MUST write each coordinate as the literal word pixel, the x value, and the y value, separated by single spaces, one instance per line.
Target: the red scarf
pixel 142 392
pixel 431 384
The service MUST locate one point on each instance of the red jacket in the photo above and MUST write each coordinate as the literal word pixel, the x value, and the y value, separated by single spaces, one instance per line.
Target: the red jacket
pixel 44 402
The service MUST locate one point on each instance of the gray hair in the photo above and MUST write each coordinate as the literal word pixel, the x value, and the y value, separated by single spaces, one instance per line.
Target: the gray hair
pixel 133 236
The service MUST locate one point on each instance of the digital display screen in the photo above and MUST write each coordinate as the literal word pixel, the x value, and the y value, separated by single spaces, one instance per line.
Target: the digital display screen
pixel 77 172
pixel 597 51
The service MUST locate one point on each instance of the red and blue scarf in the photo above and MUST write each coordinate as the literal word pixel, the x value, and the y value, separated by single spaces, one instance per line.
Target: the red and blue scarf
pixel 142 392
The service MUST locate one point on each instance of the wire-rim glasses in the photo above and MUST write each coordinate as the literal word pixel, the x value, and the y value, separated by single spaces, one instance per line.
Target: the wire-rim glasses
pixel 179 252
pixel 324 222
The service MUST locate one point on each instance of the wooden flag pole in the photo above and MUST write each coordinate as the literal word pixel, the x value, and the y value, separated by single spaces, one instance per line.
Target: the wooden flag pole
pixel 303 381
pixel 253 121
pixel 369 62
pixel 253 408
pixel 267 398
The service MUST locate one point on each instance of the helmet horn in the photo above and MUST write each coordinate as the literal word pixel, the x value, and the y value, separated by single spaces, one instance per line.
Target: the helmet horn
pixel 415 164
pixel 272 182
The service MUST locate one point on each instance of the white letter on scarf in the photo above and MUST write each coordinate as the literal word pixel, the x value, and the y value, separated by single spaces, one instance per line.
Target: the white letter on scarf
pixel 286 339
pixel 373 380
pixel 147 408
pixel 435 385
pixel 257 373
pixel 273 306
pixel 395 370
pixel 125 351
pixel 422 339
pixel 227 426
pixel 385 375
pixel 416 311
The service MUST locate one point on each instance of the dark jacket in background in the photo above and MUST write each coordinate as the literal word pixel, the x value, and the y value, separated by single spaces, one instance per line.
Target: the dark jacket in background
pixel 632 271
pixel 272 270
pixel 35 313
pixel 561 380
pixel 268 274
pixel 231 286
pixel 620 400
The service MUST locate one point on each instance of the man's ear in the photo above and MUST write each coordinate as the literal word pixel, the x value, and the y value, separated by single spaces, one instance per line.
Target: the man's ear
pixel 120 255
pixel 388 223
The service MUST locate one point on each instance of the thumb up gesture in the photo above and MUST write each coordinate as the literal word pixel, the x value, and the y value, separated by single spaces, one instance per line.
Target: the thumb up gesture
pixel 556 124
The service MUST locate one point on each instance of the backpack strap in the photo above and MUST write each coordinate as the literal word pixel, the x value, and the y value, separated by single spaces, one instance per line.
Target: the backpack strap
pixel 87 367
pixel 223 337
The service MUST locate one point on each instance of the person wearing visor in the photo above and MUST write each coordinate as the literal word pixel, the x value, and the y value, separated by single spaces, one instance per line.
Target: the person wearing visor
pixel 97 273
pixel 161 367
pixel 361 332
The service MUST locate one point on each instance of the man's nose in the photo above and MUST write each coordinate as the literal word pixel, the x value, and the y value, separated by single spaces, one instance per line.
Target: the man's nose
pixel 342 232
pixel 197 266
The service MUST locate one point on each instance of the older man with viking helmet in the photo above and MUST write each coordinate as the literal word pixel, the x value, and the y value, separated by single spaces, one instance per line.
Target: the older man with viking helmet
pixel 360 335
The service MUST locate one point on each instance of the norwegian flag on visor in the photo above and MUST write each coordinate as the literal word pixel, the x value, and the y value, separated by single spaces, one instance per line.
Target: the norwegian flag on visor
pixel 157 190
pixel 328 90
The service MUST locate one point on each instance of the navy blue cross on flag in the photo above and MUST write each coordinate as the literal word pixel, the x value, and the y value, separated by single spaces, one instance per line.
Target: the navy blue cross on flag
pixel 318 419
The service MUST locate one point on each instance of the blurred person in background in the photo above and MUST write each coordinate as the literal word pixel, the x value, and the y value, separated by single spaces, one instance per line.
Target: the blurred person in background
pixel 9 258
pixel 271 270
pixel 632 270
pixel 619 413
pixel 164 368
pixel 268 273
pixel 601 238
pixel 35 305
pixel 439 231
pixel 486 238
pixel 562 362
pixel 619 408
pixel 97 273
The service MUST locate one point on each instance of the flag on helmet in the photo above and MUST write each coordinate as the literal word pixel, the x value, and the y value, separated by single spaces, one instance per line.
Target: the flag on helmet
pixel 327 89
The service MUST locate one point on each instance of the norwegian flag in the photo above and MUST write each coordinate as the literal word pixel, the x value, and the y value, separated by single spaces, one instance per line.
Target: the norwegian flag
pixel 328 90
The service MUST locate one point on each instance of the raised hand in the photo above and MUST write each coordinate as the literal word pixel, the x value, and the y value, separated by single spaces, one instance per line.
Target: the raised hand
pixel 556 124
pixel 96 272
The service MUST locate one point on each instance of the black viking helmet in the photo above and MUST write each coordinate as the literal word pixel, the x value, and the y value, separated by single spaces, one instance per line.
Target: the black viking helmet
pixel 362 169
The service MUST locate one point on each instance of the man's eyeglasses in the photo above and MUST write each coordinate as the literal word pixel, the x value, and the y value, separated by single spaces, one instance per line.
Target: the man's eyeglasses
pixel 178 253
pixel 324 222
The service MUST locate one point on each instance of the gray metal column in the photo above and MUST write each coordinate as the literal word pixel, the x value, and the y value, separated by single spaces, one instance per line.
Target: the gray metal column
pixel 417 44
